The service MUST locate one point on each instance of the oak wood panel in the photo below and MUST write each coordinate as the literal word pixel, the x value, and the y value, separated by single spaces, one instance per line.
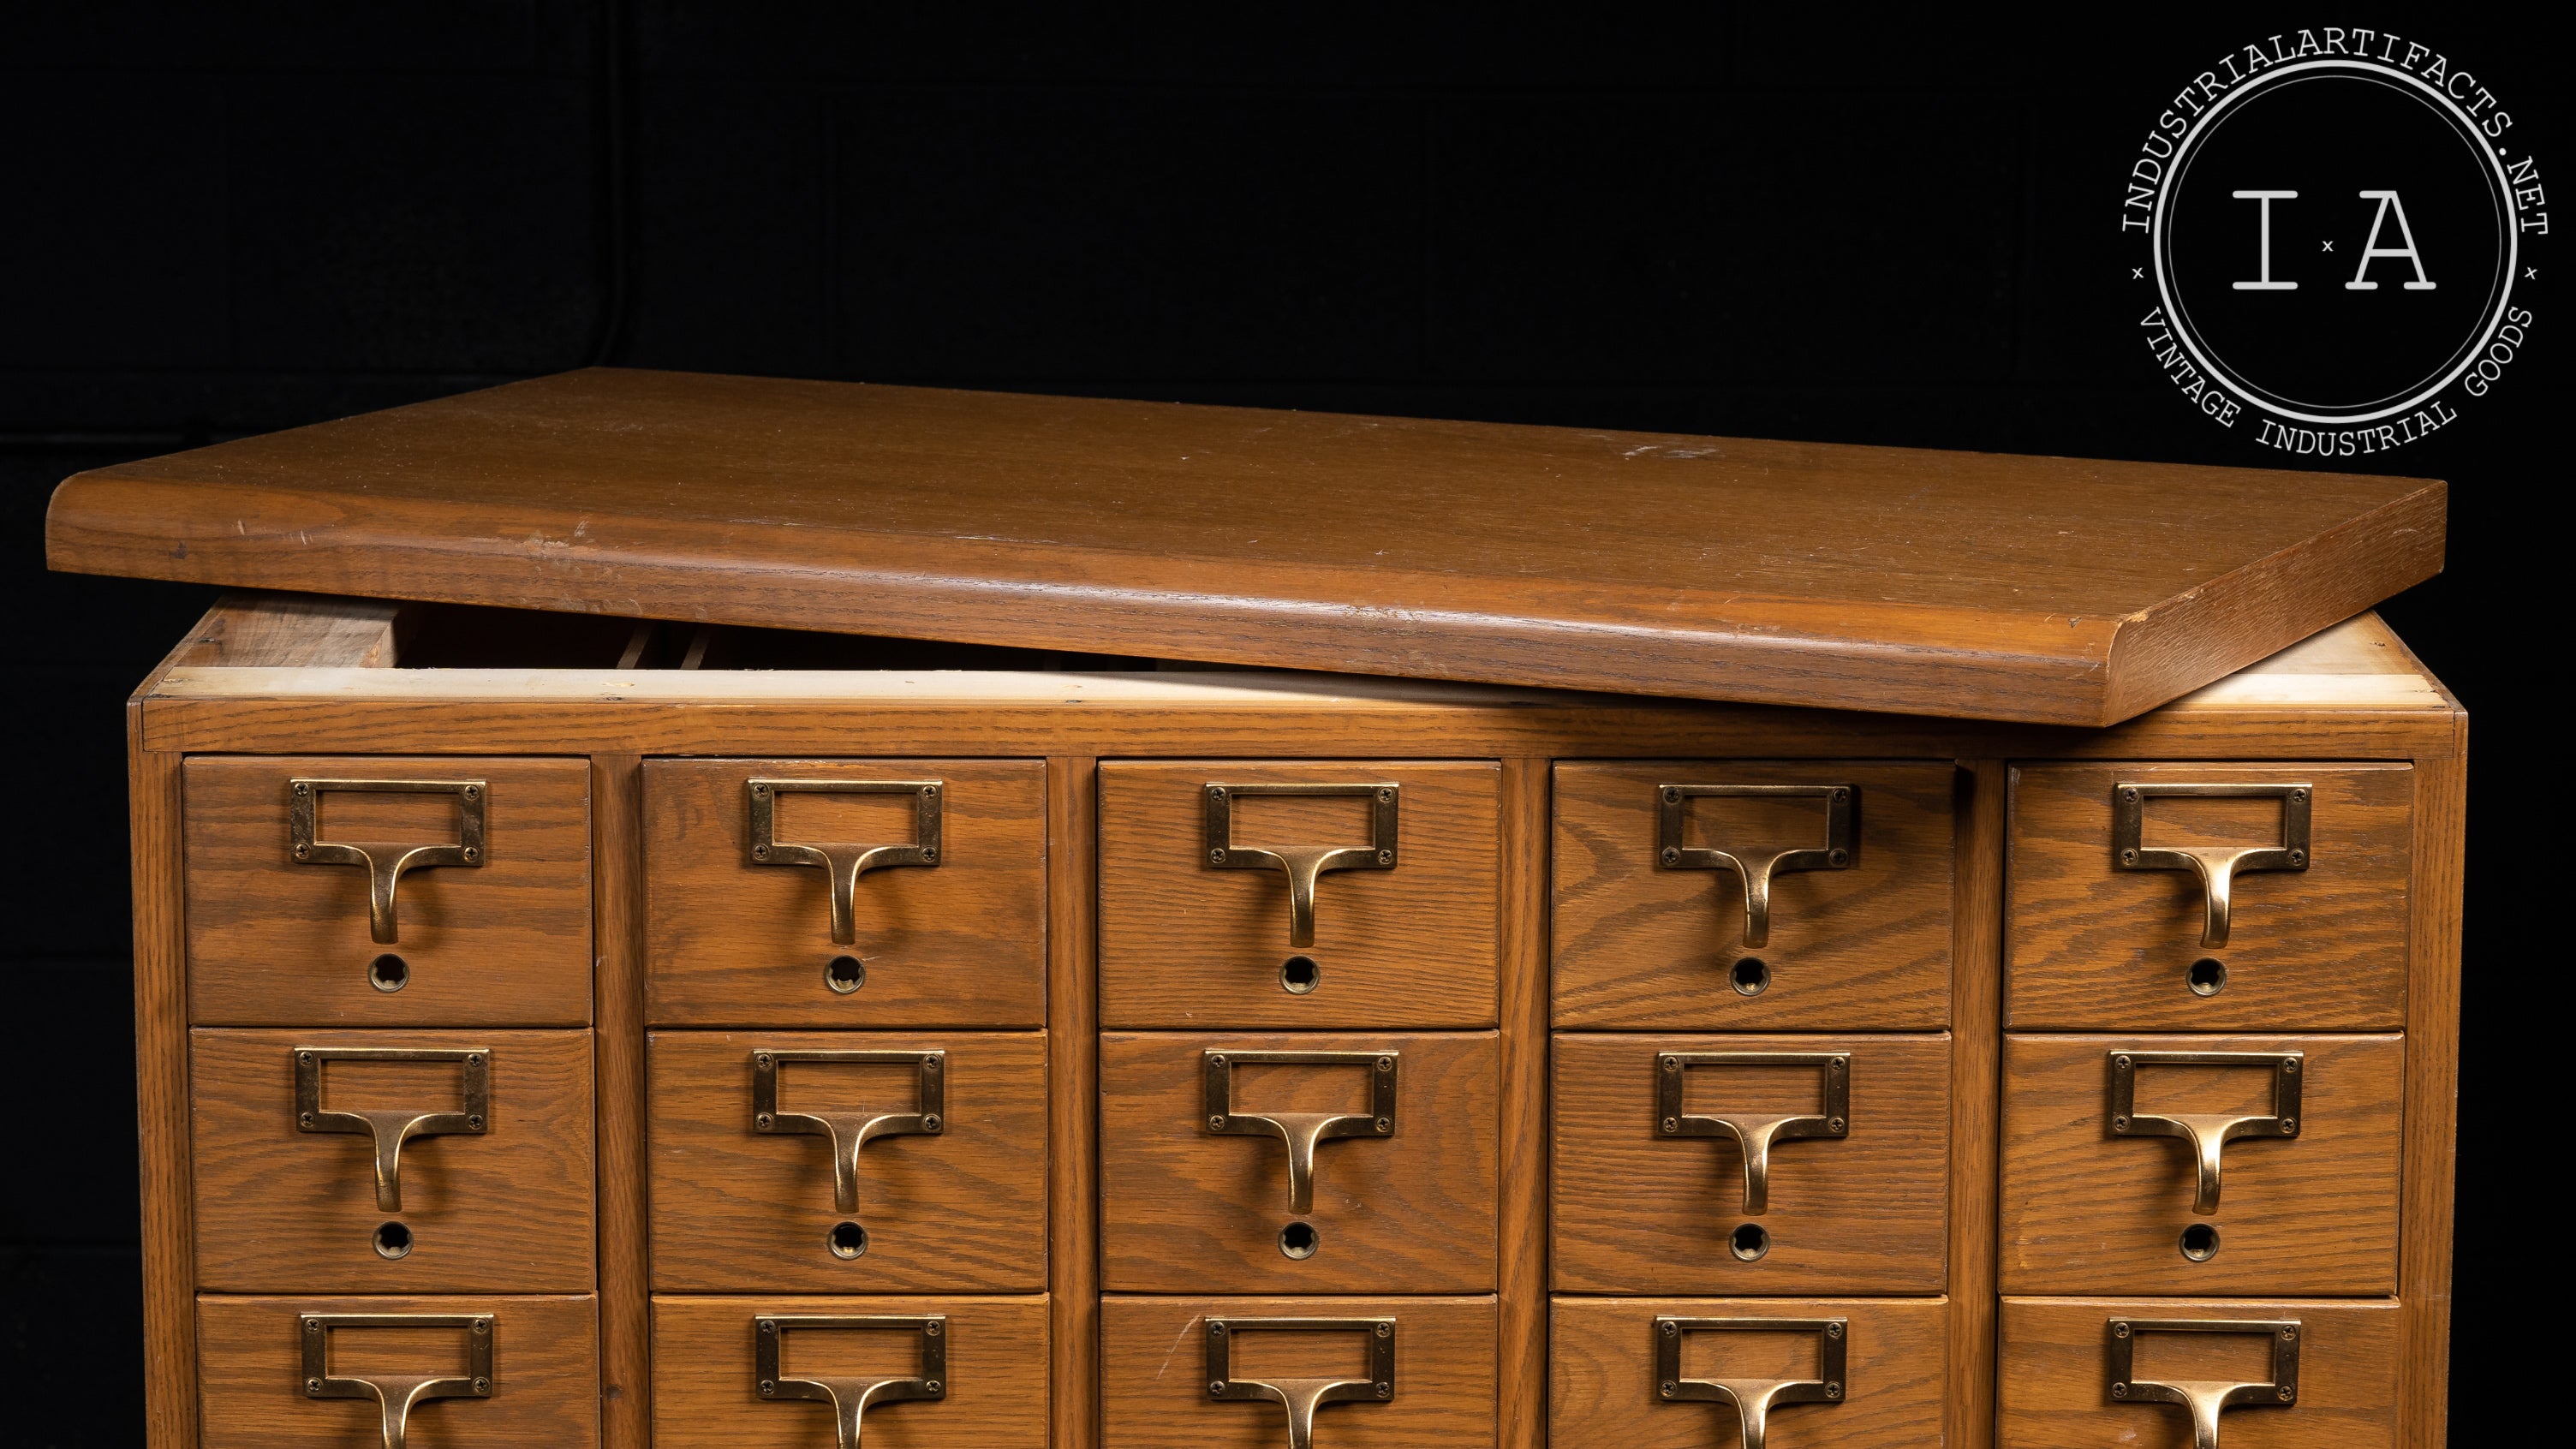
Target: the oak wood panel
pixel 545 1372
pixel 275 943
pixel 507 1210
pixel 705 1396
pixel 617 1048
pixel 2323 949
pixel 1867 947
pixel 961 943
pixel 2054 1381
pixel 1183 944
pixel 1153 1371
pixel 1976 1087
pixel 2083 1211
pixel 168 1389
pixel 1073 1090
pixel 1521 1211
pixel 1637 1212
pixel 2432 1094
pixel 737 1210
pixel 252 630
pixel 1896 1370
pixel 1884 579
pixel 1410 1212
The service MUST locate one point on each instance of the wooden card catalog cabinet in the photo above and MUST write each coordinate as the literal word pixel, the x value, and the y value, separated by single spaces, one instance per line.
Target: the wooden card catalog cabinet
pixel 2024 1015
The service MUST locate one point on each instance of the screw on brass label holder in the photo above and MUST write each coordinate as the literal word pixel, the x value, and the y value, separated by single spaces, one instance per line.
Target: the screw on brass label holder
pixel 851 1131
pixel 1300 1131
pixel 1753 1399
pixel 385 864
pixel 842 863
pixel 2206 1132
pixel 2216 866
pixel 1301 863
pixel 390 1128
pixel 1755 1133
pixel 1301 1397
pixel 1754 867
pixel 851 1396
pixel 2205 1399
pixel 396 1395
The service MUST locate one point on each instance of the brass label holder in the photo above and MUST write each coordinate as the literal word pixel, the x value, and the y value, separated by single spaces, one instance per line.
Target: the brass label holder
pixel 1301 1397
pixel 844 863
pixel 850 1132
pixel 1753 867
pixel 1301 863
pixel 1754 1133
pixel 2207 1133
pixel 385 864
pixel 2205 1399
pixel 396 1395
pixel 2216 866
pixel 850 1397
pixel 390 1128
pixel 1752 1399
pixel 1300 1131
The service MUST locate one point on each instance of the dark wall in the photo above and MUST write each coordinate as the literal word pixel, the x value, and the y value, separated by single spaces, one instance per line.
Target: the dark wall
pixel 1774 220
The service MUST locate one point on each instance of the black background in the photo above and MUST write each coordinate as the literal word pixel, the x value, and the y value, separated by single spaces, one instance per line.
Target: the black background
pixel 1777 221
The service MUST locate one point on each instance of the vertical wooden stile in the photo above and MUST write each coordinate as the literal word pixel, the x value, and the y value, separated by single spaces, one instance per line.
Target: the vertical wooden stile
pixel 1073 1076
pixel 617 1042
pixel 1521 1369
pixel 1976 1104
pixel 2432 1093
pixel 161 1092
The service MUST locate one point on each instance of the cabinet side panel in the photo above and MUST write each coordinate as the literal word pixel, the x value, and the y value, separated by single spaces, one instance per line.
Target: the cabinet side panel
pixel 1521 1354
pixel 161 1095
pixel 1976 1033
pixel 1073 1086
pixel 625 1342
pixel 2432 1105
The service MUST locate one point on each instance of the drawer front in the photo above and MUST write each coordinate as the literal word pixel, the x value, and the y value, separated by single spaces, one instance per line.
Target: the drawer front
pixel 988 1356
pixel 542 1356
pixel 2087 1208
pixel 1642 1208
pixel 2056 1359
pixel 959 1205
pixel 286 1207
pixel 2100 942
pixel 1407 1210
pixel 278 940
pixel 1884 1361
pixel 737 938
pixel 1158 1361
pixel 1646 942
pixel 1410 943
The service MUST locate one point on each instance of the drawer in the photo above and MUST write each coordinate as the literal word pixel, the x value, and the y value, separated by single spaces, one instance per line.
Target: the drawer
pixel 958 1204
pixel 1642 1208
pixel 1884 1362
pixel 988 1356
pixel 1161 1358
pixel 2097 941
pixel 2056 1359
pixel 2087 1208
pixel 495 1194
pixel 541 1354
pixel 1404 898
pixel 1406 1210
pixel 278 940
pixel 947 928
pixel 1645 942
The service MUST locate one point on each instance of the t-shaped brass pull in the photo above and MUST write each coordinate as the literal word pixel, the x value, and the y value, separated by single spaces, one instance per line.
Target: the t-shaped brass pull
pixel 1755 866
pixel 1300 1131
pixel 850 1396
pixel 396 1395
pixel 1755 1133
pixel 1301 1397
pixel 2207 1132
pixel 2216 866
pixel 844 864
pixel 851 1131
pixel 2205 1399
pixel 385 864
pixel 390 1128
pixel 1301 863
pixel 1753 1399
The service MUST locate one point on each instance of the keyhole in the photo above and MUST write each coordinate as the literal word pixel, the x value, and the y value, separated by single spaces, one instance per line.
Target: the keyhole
pixel 393 1240
pixel 389 972
pixel 2200 1242
pixel 1299 975
pixel 1299 1240
pixel 1751 976
pixel 845 974
pixel 1749 1241
pixel 847 1240
pixel 2206 976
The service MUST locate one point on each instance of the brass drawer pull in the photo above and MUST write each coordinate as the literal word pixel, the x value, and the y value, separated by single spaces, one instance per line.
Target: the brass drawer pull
pixel 850 1397
pixel 385 864
pixel 396 1395
pixel 392 1127
pixel 1302 863
pixel 2205 1398
pixel 1754 1399
pixel 1755 1133
pixel 2207 1132
pixel 2216 866
pixel 844 864
pixel 1301 1397
pixel 1752 866
pixel 1300 1131
pixel 849 1132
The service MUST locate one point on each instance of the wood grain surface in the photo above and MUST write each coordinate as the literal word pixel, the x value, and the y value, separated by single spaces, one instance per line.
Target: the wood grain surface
pixel 1976 1108
pixel 961 943
pixel 1521 1356
pixel 736 1210
pixel 1896 1369
pixel 168 1225
pixel 2323 949
pixel 617 1049
pixel 275 943
pixel 1637 1212
pixel 1153 1373
pixel 2055 1389
pixel 253 630
pixel 1411 1212
pixel 1866 947
pixel 1073 1092
pixel 502 1211
pixel 2425 1213
pixel 2084 1211
pixel 545 1373
pixel 706 1394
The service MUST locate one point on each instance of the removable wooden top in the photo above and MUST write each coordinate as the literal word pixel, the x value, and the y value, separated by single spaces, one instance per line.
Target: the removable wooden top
pixel 1974 585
